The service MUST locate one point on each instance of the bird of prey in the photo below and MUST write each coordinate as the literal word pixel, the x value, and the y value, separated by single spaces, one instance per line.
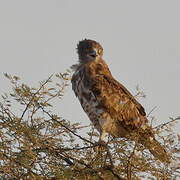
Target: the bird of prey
pixel 109 105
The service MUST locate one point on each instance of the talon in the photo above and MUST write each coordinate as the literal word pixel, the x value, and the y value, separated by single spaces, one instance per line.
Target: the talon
pixel 102 143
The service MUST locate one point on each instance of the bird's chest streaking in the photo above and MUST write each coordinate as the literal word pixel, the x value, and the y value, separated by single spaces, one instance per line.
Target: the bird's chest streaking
pixel 82 85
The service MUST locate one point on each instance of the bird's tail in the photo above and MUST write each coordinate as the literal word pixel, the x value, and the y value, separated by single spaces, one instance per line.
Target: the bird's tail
pixel 148 140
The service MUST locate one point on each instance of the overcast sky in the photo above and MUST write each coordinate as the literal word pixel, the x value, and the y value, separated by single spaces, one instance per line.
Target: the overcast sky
pixel 141 41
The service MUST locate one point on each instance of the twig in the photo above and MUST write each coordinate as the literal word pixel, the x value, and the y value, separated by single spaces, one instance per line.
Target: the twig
pixel 80 137
pixel 164 124
pixel 108 153
pixel 129 170
pixel 151 110
pixel 27 106
pixel 116 175
pixel 65 149
pixel 58 153
pixel 86 165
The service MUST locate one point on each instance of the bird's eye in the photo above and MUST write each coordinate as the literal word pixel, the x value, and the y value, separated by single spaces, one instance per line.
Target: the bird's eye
pixel 99 51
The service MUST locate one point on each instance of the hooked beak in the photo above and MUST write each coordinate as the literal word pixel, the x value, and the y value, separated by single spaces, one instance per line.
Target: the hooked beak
pixel 93 54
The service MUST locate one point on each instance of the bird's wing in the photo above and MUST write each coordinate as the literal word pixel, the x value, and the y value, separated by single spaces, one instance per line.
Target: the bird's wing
pixel 117 100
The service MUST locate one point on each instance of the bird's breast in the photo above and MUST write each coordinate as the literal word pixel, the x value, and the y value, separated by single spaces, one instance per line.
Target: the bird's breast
pixel 85 96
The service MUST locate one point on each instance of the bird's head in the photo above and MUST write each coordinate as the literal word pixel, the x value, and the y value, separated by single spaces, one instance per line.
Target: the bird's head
pixel 89 50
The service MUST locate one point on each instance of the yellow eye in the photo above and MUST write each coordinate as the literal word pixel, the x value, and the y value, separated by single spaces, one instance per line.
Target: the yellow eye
pixel 99 51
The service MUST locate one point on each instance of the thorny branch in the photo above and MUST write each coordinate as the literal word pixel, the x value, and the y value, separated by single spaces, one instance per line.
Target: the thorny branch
pixel 52 117
pixel 165 124
pixel 27 106
pixel 129 170
pixel 110 168
pixel 151 111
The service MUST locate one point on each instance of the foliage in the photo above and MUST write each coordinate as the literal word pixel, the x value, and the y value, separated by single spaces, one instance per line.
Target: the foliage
pixel 37 144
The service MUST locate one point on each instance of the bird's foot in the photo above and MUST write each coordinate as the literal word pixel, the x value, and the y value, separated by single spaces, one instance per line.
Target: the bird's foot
pixel 100 145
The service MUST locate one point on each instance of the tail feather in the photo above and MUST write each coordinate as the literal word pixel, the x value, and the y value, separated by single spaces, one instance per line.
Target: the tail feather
pixel 156 149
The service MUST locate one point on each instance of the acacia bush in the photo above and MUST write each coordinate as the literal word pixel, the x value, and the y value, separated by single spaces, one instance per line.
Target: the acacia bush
pixel 36 143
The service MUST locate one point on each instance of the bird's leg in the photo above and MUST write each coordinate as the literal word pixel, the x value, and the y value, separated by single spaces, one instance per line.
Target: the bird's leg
pixel 101 145
pixel 104 150
pixel 101 141
pixel 102 138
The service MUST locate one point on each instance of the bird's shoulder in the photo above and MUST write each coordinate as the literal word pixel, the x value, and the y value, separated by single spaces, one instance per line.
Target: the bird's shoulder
pixel 110 93
pixel 106 88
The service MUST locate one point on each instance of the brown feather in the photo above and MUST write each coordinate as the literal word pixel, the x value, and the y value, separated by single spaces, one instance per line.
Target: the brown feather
pixel 113 96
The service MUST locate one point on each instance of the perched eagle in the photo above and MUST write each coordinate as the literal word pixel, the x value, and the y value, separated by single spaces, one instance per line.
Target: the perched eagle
pixel 108 104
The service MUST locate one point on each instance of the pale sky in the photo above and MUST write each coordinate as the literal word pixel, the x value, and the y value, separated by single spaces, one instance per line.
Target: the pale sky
pixel 141 41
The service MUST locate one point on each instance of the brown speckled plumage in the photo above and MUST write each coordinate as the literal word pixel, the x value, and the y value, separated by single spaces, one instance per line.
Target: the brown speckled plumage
pixel 108 104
